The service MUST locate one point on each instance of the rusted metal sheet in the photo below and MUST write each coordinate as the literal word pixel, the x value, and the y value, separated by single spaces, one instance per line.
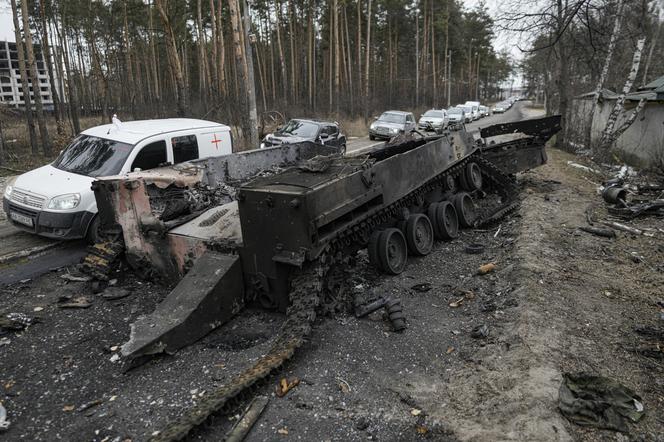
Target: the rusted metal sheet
pixel 209 295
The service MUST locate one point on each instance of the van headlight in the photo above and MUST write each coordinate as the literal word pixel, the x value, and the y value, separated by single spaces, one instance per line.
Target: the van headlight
pixel 9 188
pixel 65 202
pixel 373 126
pixel 394 130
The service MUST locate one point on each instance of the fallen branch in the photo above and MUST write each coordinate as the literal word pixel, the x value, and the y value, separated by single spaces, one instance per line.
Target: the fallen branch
pixel 249 418
pixel 623 227
pixel 606 233
pixel 582 167
pixel 12 170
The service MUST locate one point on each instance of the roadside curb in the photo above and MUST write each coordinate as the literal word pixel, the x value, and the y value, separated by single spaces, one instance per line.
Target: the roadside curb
pixel 27 253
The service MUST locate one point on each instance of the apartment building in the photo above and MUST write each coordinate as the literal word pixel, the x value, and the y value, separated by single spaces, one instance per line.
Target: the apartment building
pixel 11 90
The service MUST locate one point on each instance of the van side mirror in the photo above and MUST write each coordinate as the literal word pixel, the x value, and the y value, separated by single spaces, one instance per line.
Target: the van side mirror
pixel 324 136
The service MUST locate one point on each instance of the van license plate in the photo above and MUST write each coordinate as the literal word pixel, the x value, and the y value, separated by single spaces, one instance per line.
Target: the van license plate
pixel 25 220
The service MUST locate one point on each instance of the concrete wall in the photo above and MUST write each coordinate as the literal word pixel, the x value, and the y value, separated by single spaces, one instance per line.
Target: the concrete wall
pixel 641 145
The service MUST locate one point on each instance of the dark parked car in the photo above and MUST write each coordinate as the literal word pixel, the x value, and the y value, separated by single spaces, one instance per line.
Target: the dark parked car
pixel 299 130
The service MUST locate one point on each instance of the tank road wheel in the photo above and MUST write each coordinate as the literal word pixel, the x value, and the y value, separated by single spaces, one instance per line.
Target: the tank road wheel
pixel 465 209
pixel 450 183
pixel 419 234
pixel 392 251
pixel 473 175
pixel 432 213
pixel 447 221
pixel 372 249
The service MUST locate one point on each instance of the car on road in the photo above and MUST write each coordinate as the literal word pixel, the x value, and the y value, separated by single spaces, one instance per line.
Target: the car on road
pixel 501 107
pixel 56 200
pixel 475 107
pixel 434 120
pixel 468 111
pixel 301 129
pixel 391 123
pixel 456 117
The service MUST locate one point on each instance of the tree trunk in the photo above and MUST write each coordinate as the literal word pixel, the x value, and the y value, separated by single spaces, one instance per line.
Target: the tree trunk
pixel 644 80
pixel 202 74
pixel 563 75
pixel 366 65
pixel 25 85
pixel 71 88
pixel 153 55
pixel 221 66
pixel 282 59
pixel 240 64
pixel 131 92
pixel 605 70
pixel 251 82
pixel 46 53
pixel 173 59
pixel 609 135
pixel 36 85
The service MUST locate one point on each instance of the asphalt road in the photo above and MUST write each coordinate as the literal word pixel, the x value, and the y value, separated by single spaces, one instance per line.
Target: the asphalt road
pixel 357 146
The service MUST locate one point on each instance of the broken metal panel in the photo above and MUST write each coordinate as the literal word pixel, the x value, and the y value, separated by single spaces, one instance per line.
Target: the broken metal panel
pixel 517 156
pixel 540 128
pixel 244 165
pixel 524 152
pixel 209 295
pixel 218 224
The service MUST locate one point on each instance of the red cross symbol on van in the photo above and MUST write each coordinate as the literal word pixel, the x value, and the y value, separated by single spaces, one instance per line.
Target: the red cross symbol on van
pixel 216 141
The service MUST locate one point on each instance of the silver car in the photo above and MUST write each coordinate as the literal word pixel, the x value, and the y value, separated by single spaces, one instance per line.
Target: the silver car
pixel 433 120
pixel 391 123
pixel 456 117
pixel 469 116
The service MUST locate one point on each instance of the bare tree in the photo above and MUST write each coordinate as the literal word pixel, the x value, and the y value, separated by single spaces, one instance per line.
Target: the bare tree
pixel 24 81
pixel 610 135
pixel 34 78
pixel 174 59
pixel 605 69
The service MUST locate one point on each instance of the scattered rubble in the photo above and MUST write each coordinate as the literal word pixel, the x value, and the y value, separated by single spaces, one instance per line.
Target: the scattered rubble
pixel 4 423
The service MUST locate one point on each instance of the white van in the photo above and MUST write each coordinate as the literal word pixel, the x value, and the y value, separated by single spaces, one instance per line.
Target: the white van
pixel 56 200
pixel 475 106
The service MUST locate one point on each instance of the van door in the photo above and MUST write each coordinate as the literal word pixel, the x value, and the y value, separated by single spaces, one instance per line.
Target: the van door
pixel 214 143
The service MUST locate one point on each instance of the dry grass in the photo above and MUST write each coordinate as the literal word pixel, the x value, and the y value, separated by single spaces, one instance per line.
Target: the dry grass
pixel 18 155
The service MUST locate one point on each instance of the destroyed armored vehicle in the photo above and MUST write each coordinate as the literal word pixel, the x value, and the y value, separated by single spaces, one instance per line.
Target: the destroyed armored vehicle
pixel 269 226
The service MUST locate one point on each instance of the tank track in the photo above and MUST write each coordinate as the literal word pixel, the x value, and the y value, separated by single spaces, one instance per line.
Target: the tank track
pixel 306 288
pixel 306 293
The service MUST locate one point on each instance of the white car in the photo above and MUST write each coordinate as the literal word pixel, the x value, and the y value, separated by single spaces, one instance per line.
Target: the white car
pixel 57 201
pixel 435 120
pixel 501 107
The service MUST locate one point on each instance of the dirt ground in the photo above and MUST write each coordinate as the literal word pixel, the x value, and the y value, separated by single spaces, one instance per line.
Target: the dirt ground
pixel 561 300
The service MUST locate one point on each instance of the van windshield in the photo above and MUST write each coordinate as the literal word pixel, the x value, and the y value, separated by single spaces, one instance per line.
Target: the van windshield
pixel 92 156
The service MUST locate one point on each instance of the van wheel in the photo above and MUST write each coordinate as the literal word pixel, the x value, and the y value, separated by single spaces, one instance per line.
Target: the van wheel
pixel 92 235
pixel 343 149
